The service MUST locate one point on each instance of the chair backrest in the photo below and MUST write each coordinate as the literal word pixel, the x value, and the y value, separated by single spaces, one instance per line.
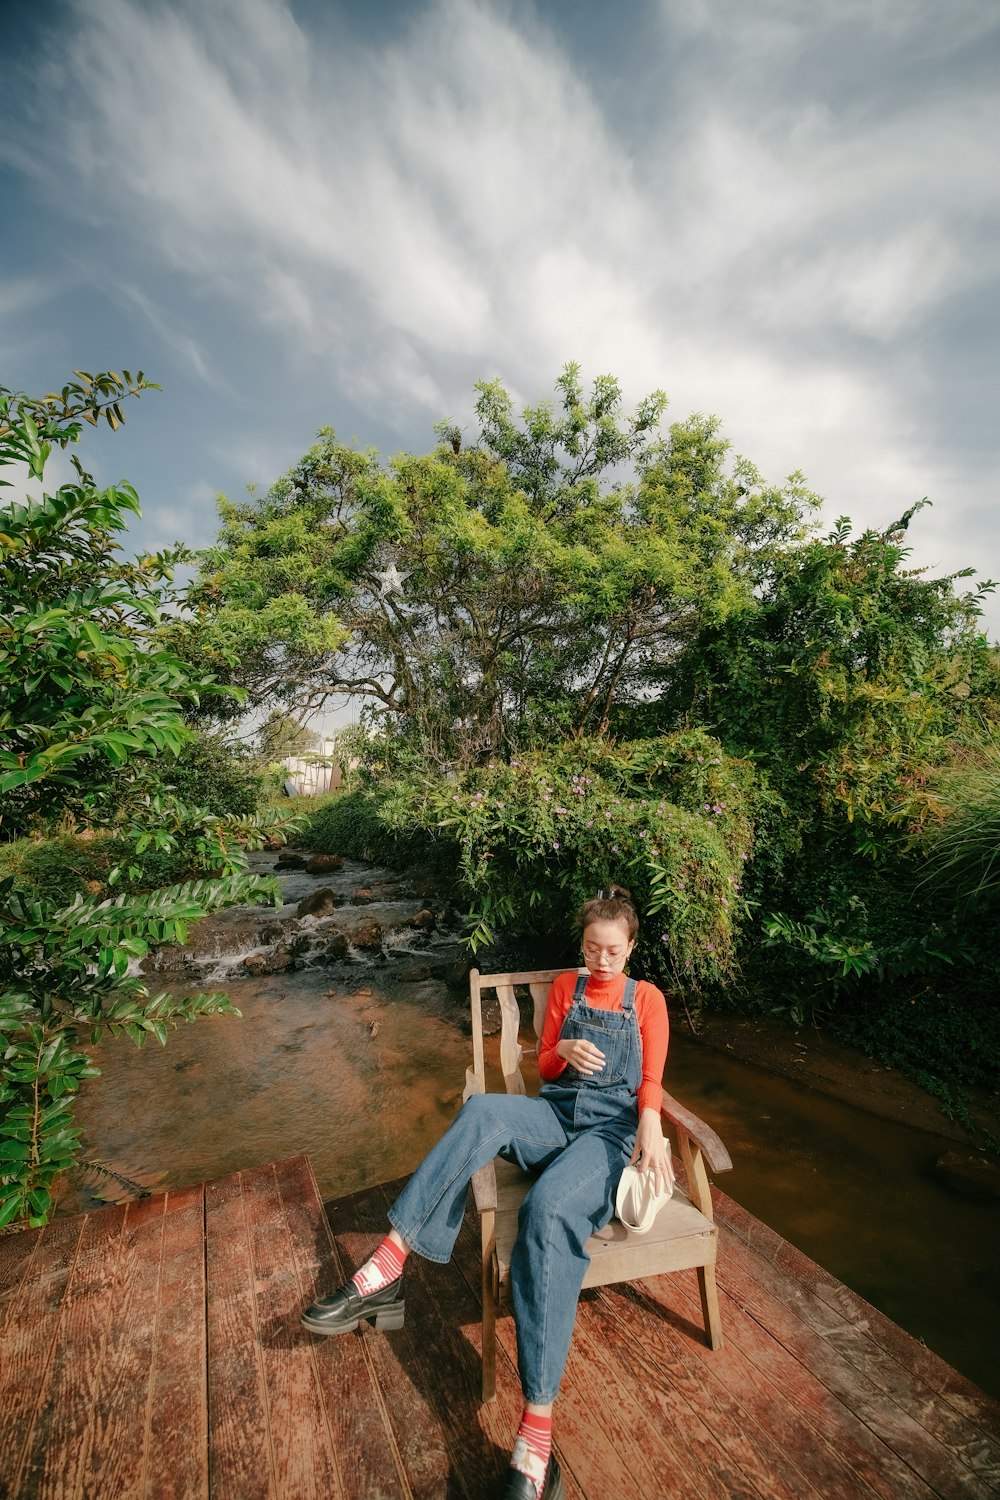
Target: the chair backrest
pixel 539 982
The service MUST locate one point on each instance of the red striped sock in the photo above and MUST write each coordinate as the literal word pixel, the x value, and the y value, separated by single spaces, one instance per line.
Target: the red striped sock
pixel 532 1448
pixel 383 1268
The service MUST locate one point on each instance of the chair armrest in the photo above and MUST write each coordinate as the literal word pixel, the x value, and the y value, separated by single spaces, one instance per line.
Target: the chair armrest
pixel 703 1135
pixel 484 1189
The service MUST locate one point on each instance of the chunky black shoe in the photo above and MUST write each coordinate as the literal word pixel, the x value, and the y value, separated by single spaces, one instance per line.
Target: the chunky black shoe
pixel 520 1487
pixel 345 1308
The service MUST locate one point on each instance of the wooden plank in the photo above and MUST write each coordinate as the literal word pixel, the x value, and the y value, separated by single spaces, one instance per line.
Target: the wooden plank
pixel 115 1443
pixel 511 1051
pixel 851 1338
pixel 886 1337
pixel 884 1415
pixel 759 1423
pixel 241 1462
pixel 305 1464
pixel 356 1409
pixel 16 1250
pixel 176 1443
pixel 57 1455
pixel 674 1452
pixel 520 976
pixel 29 1322
pixel 794 1388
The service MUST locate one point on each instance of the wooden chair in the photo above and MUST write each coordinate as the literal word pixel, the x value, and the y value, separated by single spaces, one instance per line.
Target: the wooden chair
pixel 684 1235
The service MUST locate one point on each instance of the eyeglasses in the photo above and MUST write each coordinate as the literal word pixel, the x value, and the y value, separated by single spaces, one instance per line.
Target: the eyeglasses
pixel 591 950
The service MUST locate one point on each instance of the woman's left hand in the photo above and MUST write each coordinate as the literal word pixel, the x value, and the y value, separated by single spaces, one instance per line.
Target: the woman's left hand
pixel 650 1152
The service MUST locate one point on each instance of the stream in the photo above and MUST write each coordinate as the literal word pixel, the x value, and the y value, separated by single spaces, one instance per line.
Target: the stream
pixel 353 1045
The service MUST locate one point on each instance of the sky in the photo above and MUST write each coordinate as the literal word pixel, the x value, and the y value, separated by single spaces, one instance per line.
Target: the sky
pixel 295 213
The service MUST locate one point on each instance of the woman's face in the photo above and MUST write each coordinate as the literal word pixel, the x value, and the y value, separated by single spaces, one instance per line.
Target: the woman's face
pixel 606 947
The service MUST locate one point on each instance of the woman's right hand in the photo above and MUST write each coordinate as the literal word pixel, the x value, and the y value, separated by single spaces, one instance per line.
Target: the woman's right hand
pixel 583 1056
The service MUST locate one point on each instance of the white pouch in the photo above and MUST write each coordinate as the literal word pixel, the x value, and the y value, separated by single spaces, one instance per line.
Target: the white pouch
pixel 637 1202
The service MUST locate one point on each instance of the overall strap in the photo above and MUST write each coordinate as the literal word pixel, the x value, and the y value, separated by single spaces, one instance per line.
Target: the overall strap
pixel 581 985
pixel 628 996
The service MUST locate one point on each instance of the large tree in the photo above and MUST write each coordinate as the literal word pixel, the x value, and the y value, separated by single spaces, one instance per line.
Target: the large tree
pixel 484 596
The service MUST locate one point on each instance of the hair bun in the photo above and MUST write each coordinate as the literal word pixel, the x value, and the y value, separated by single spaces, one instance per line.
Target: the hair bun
pixel 614 893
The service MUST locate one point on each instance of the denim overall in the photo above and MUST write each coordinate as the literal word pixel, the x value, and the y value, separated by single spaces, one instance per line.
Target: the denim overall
pixel 578 1135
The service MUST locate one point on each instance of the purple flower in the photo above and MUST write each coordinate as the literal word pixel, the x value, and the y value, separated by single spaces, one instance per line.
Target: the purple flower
pixel 555 845
pixel 664 938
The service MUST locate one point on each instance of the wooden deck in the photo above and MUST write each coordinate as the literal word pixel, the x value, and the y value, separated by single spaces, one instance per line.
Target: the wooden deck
pixel 153 1350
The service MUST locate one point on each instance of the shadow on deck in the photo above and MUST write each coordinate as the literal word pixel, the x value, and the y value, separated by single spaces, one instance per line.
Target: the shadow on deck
pixel 153 1350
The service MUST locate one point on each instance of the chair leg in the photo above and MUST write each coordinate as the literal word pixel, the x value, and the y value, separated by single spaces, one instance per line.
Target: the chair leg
pixel 710 1306
pixel 489 1326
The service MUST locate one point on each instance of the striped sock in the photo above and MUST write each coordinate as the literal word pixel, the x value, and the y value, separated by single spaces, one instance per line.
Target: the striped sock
pixel 383 1268
pixel 532 1448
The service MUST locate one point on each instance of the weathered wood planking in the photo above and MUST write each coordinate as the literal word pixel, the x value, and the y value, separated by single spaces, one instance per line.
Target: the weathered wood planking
pixel 153 1352
pixel 355 1405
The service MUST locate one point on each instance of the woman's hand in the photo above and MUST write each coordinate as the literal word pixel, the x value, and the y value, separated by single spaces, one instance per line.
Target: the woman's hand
pixel 583 1056
pixel 650 1152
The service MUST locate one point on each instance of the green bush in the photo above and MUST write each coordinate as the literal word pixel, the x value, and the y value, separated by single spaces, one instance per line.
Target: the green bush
pixel 217 774
pixel 92 719
pixel 353 824
pixel 670 818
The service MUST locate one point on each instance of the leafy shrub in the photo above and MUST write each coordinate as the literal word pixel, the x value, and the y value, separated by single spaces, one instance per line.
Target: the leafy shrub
pixel 91 717
pixel 669 818
pixel 962 844
pixel 353 824
pixel 216 774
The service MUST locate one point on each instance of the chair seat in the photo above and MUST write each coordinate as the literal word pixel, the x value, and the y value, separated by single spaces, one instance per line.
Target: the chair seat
pixel 677 1241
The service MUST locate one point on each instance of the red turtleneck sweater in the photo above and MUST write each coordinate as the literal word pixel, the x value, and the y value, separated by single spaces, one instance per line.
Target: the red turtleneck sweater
pixel 651 1013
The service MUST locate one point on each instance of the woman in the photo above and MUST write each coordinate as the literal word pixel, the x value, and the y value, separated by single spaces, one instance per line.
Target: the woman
pixel 601 1056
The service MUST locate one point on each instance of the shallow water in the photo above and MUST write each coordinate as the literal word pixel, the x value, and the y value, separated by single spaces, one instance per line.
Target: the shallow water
pixel 363 1071
pixel 364 1082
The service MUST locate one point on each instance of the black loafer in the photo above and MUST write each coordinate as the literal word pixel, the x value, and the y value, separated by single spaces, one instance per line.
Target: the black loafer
pixel 520 1487
pixel 345 1308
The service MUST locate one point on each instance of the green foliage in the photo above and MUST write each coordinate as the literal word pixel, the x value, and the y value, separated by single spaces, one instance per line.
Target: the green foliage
pixel 281 736
pixel 91 724
pixel 217 774
pixel 669 818
pixel 353 824
pixel 66 865
pixel 64 976
pixel 86 690
pixel 539 594
pixel 843 676
pixel 962 842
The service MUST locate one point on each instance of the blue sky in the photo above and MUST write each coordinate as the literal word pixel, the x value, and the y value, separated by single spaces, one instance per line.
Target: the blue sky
pixel 293 213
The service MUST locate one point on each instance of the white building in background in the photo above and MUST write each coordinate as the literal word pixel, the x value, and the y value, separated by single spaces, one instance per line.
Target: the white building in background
pixel 314 773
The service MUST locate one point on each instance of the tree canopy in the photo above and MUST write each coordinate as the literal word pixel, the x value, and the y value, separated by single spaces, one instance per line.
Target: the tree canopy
pixel 487 596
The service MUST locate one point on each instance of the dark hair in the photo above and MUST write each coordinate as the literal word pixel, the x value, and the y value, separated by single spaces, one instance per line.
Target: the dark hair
pixel 613 903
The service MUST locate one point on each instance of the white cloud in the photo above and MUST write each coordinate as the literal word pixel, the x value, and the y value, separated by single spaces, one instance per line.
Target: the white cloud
pixel 188 350
pixel 768 246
